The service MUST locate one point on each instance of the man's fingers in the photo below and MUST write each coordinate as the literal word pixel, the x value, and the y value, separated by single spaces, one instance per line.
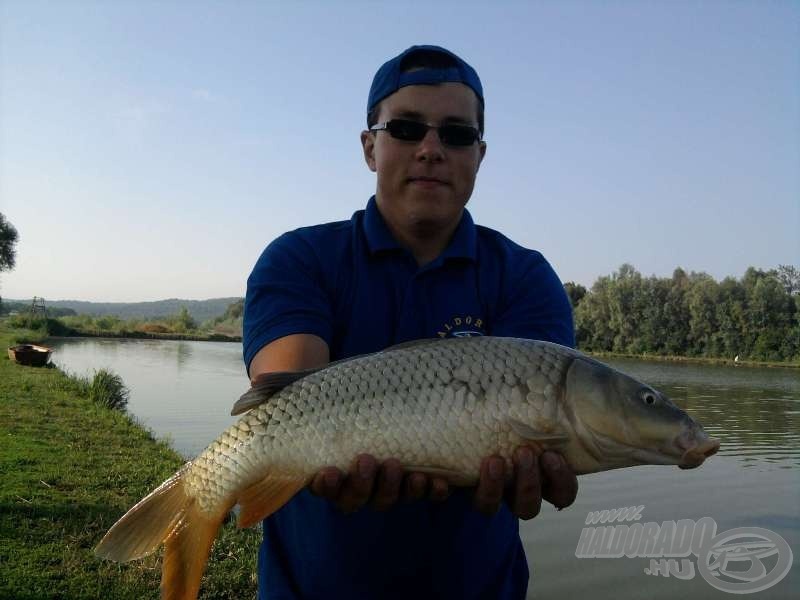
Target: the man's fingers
pixel 327 483
pixel 440 490
pixel 526 495
pixel 490 486
pixel 415 487
pixel 387 491
pixel 559 483
pixel 357 488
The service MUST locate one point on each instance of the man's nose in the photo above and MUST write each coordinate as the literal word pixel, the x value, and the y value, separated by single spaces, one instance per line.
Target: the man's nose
pixel 430 147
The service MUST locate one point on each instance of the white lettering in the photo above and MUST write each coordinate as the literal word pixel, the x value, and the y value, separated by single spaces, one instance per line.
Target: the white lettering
pixel 616 546
pixel 633 539
pixel 648 541
pixel 630 513
pixel 704 530
pixel 582 551
pixel 598 540
pixel 666 535
pixel 658 567
pixel 682 540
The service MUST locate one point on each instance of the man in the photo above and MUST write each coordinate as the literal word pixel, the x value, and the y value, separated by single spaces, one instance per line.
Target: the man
pixel 412 265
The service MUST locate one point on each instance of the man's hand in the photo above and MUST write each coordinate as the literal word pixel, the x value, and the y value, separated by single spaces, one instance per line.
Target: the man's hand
pixel 381 486
pixel 547 476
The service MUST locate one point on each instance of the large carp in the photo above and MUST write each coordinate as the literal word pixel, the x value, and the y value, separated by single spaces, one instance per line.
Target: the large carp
pixel 439 406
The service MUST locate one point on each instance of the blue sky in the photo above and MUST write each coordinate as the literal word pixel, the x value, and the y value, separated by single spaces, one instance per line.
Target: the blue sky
pixel 152 149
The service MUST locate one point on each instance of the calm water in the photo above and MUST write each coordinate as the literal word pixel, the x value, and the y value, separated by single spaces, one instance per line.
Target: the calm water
pixel 184 391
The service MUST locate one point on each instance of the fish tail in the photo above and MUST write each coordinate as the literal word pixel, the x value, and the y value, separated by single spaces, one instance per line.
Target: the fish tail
pixel 168 514
pixel 186 553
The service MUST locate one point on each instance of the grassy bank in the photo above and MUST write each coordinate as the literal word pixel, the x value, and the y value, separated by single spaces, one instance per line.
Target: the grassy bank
pixel 700 360
pixel 69 468
pixel 144 335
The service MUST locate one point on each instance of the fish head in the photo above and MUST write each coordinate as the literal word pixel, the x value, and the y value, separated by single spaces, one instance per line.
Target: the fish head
pixel 624 422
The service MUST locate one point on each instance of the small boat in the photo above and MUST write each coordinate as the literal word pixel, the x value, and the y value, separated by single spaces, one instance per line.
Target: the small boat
pixel 30 354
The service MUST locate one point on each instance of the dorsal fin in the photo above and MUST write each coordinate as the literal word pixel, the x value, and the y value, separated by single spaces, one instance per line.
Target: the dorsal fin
pixel 265 386
pixel 411 344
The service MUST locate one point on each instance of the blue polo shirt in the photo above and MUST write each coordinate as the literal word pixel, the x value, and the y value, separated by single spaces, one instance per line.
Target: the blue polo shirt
pixel 353 285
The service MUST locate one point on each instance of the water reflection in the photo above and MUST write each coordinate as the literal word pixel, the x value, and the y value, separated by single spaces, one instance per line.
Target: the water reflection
pixel 182 390
pixel 183 353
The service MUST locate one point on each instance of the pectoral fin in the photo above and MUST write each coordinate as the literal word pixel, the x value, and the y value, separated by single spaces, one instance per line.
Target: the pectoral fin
pixel 547 441
pixel 266 496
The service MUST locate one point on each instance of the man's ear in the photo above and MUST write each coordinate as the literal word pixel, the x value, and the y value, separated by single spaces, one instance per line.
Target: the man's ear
pixel 482 150
pixel 368 145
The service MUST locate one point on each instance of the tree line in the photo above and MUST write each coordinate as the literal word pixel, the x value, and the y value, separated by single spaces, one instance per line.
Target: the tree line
pixel 756 317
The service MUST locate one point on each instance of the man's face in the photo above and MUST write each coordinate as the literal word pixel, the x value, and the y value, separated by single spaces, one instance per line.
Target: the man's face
pixel 423 186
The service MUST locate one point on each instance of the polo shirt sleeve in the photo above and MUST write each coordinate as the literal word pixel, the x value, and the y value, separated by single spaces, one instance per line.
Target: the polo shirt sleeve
pixel 285 295
pixel 536 305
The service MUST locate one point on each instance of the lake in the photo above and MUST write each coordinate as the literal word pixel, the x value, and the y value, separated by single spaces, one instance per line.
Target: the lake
pixel 183 391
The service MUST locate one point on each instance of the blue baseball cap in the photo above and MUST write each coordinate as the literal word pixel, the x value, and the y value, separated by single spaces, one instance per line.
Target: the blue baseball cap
pixel 389 79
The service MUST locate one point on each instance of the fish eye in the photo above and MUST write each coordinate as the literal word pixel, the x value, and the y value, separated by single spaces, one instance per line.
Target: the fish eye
pixel 648 397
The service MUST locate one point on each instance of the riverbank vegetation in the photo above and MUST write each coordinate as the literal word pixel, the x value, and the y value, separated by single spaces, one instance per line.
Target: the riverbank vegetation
pixel 201 310
pixel 181 325
pixel 69 468
pixel 756 318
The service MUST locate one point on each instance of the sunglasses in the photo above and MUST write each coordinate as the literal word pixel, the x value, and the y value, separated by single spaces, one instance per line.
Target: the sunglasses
pixel 414 131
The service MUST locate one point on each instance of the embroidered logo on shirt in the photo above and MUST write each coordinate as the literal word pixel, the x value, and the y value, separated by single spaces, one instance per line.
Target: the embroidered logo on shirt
pixel 462 326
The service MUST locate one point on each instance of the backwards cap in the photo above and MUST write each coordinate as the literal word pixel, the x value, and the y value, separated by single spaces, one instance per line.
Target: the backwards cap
pixel 389 79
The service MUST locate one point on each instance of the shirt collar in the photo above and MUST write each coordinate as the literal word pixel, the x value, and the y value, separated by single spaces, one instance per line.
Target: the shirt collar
pixel 462 245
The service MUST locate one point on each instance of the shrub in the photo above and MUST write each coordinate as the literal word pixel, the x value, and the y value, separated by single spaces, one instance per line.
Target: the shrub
pixel 108 389
pixel 153 328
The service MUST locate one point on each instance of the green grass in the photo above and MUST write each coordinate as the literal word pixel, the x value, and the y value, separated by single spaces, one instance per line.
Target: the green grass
pixel 69 468
pixel 709 360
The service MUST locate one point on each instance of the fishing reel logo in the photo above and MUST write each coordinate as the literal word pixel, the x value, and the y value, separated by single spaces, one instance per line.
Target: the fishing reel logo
pixel 744 560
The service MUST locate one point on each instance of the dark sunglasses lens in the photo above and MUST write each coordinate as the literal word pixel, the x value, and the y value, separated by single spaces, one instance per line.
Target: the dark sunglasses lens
pixel 406 130
pixel 457 135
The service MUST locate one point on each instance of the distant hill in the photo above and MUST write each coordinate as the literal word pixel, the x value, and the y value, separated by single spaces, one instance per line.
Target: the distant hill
pixel 201 310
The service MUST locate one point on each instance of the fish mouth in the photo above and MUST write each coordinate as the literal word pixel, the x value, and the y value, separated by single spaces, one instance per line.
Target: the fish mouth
pixel 696 455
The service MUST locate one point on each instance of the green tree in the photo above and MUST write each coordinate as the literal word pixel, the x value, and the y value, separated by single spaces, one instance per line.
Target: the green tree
pixel 8 250
pixel 756 317
pixel 652 329
pixel 792 343
pixel 676 314
pixel 108 322
pixel 625 303
pixel 183 321
pixel 770 315
pixel 575 292
pixel 789 276
pixel 8 242
pixel 701 300
pixel 235 310
pixel 592 330
pixel 729 339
